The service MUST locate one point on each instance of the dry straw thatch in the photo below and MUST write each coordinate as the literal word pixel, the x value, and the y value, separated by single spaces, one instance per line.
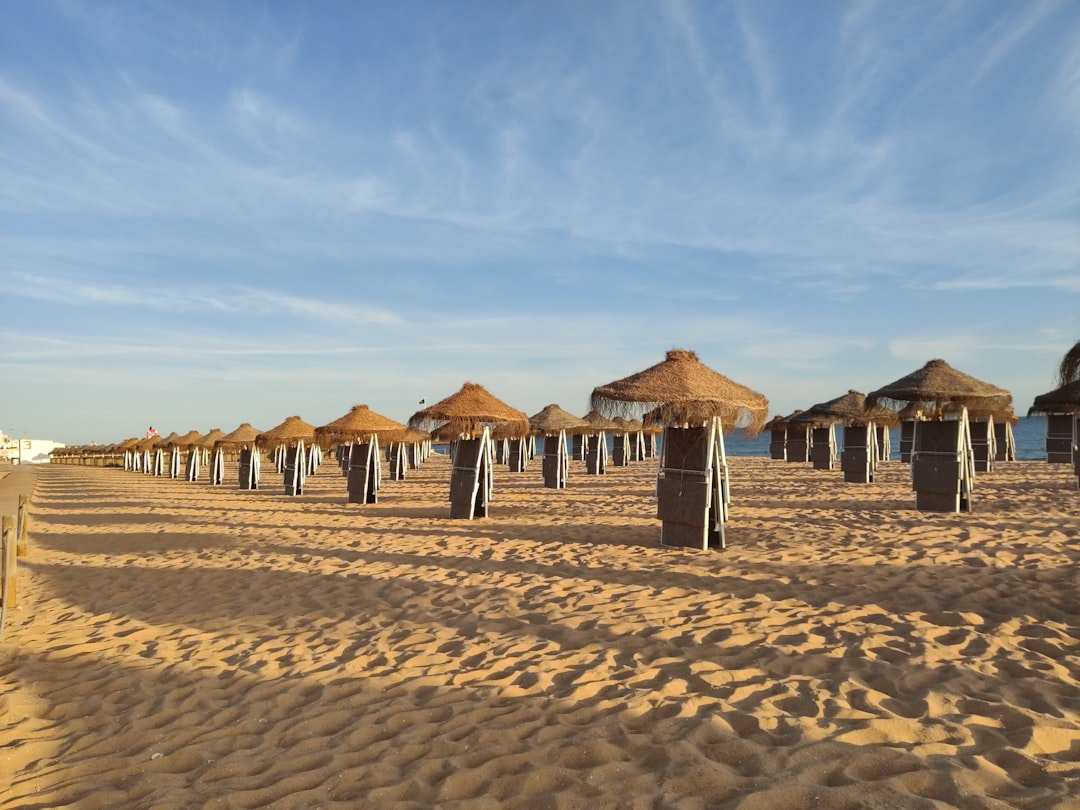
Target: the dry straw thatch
pixel 210 440
pixel 938 383
pixel 1069 370
pixel 467 412
pixel 683 390
pixel 597 422
pixel 551 419
pixel 149 443
pixel 188 440
pixel 361 423
pixel 243 435
pixel 1065 399
pixel 848 409
pixel 291 430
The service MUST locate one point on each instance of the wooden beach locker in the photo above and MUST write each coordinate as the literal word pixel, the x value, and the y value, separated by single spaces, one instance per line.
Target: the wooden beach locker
pixel 365 472
pixel 823 447
pixel 778 443
pixel 295 469
pixel 1004 442
pixel 596 454
pixel 518 454
pixel 798 443
pixel 907 439
pixel 471 477
pixel 620 451
pixel 859 458
pixel 983 444
pixel 556 461
pixel 577 445
pixel 249 468
pixel 1059 438
pixel 941 466
pixel 692 490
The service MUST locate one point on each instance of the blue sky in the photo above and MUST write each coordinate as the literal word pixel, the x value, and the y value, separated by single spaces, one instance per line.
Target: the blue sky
pixel 225 212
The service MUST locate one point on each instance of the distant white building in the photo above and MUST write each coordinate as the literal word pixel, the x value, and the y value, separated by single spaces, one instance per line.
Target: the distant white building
pixel 26 451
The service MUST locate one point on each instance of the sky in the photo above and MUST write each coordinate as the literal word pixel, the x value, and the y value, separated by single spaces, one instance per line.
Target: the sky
pixel 215 213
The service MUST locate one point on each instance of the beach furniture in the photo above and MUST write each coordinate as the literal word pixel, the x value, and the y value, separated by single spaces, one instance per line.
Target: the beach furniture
pixel 777 428
pixel 692 402
pixel 469 415
pixel 1004 441
pixel 471 481
pixel 577 447
pixel 556 463
pixel 883 441
pixel 596 456
pixel 693 494
pixel 943 466
pixel 194 464
pixel 942 456
pixel 1059 438
pixel 859 458
pixel 823 447
pixel 518 454
pixel 554 423
pixel 798 442
pixel 983 443
pixel 249 468
pixel 398 461
pixel 295 468
pixel 365 471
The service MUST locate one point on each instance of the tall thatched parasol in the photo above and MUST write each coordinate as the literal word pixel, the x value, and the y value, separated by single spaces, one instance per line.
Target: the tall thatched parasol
pixel 243 435
pixel 848 409
pixel 188 440
pixel 1069 370
pixel 468 411
pixel 292 430
pixel 169 440
pixel 597 422
pixel 1065 399
pixel 552 419
pixel 360 423
pixel 938 383
pixel 210 440
pixel 683 390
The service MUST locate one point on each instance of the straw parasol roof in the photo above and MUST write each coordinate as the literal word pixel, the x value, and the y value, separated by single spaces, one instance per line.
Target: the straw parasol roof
pixel 937 383
pixel 468 411
pixel 681 389
pixel 128 444
pixel 245 434
pixel 292 429
pixel 212 438
pixel 1069 370
pixel 149 443
pixel 552 419
pixel 1065 399
pixel 189 439
pixel 849 409
pixel 169 440
pixel 361 422
pixel 597 422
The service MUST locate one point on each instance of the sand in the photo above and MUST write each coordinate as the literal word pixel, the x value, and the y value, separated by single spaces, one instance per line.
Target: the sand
pixel 179 645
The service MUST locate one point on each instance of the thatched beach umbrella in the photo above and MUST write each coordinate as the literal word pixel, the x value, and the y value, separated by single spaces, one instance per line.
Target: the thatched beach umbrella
pixel 551 420
pixel 554 424
pixel 681 390
pixel 694 403
pixel 287 441
pixel 360 423
pixel 242 441
pixel 936 384
pixel 1064 399
pixel 942 455
pixel 470 414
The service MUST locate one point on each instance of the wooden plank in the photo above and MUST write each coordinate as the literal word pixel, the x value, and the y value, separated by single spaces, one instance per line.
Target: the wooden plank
pixel 8 595
pixel 937 501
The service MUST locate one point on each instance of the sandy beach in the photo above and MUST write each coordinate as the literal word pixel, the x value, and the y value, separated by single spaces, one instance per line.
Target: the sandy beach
pixel 179 645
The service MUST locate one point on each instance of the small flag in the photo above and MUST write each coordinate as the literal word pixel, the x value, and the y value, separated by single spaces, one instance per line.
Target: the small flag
pixel 421 402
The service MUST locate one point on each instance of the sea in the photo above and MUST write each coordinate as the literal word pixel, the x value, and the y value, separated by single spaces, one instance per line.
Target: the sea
pixel 1029 435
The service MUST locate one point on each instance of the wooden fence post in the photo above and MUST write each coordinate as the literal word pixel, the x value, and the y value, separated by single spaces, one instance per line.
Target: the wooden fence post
pixel 7 572
pixel 20 531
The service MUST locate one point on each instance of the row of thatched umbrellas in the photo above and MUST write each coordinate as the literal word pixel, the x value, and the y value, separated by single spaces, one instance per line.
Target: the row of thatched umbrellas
pixel 679 393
